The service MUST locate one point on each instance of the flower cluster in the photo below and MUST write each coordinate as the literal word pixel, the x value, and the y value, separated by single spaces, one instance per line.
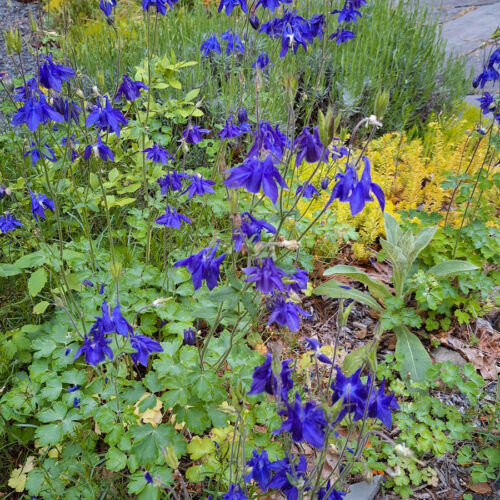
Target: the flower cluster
pixel 233 43
pixel 294 31
pixel 96 347
pixel 491 73
pixel 349 14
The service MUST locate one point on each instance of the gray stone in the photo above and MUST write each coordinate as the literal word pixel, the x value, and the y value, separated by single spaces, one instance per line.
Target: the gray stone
pixel 364 490
pixel 443 354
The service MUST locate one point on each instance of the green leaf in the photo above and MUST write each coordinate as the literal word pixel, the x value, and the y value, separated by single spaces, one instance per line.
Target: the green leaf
pixel 198 447
pixel 332 289
pixel 34 259
pixel 365 353
pixel 49 435
pixel 376 287
pixel 416 360
pixel 116 460
pixel 41 307
pixel 37 281
pixel 422 239
pixel 7 270
pixel 52 389
pixel 451 267
pixel 392 229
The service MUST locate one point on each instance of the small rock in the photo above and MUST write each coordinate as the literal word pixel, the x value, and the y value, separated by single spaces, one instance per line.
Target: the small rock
pixel 364 490
pixel 443 354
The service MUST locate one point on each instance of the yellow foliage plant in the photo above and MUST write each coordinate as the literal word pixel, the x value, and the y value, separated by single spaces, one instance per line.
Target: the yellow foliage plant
pixel 411 172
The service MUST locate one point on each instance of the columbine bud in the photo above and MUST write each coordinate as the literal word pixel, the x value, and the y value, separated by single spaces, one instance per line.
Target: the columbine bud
pixel 242 115
pixel 3 191
pixel 189 336
pixel 116 270
pixel 95 90
pixel 326 126
pixel 325 182
pixel 185 147
pixel 159 301
pixel 13 41
pixel 254 21
pixel 33 25
pixel 381 103
pixel 372 120
pixel 170 456
pixel 258 81
pixel 80 93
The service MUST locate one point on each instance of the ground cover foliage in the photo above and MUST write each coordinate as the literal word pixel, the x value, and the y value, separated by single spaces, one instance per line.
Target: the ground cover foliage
pixel 182 189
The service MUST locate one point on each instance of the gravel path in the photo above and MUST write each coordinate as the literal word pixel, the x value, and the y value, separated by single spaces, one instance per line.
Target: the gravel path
pixel 14 14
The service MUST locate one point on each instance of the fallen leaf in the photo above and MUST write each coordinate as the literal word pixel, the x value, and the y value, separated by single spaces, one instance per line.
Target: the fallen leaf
pixel 481 488
pixel 18 477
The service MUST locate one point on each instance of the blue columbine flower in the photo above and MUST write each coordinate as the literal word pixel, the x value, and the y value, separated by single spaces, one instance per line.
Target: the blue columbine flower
pixel 266 275
pixel 233 42
pixel 334 494
pixel 305 423
pixel 107 6
pixel 251 229
pixel 315 346
pixel 36 111
pixel 487 103
pixel 235 493
pixel 100 149
pixel 254 21
pixel 192 134
pixel 36 154
pixel 160 6
pixel 351 392
pixel 9 223
pixel 229 5
pixel 170 182
pixel 264 379
pixel 381 404
pixel 203 266
pixel 76 403
pixel 68 109
pixel 230 130
pixel 189 336
pixel 144 347
pixel 28 91
pixel 148 478
pixel 199 186
pixel 342 36
pixel 268 141
pixel 40 203
pixel 357 193
pixel 287 313
pixel 130 89
pixel 95 348
pixel 74 388
pixel 272 5
pixel 309 146
pixel 120 324
pixel 158 154
pixel 211 44
pixel 254 175
pixel 53 75
pixel 285 473
pixel 348 13
pixel 260 473
pixel 317 26
pixel 172 218
pixel 488 74
pixel 299 281
pixel 307 191
pixel 262 61
pixel 106 118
